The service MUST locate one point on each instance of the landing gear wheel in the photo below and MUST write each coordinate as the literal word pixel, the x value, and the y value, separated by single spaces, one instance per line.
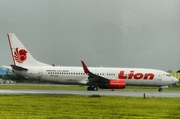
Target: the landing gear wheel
pixel 160 89
pixel 95 88
pixel 92 88
pixel 89 88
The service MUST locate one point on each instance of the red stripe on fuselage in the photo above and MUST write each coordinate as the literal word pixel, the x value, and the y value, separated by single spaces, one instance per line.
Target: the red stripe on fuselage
pixel 11 48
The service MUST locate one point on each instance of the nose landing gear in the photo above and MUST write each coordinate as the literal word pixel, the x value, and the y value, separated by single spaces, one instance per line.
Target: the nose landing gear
pixel 160 89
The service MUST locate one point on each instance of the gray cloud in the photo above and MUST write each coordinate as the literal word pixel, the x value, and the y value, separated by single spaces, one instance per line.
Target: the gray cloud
pixel 116 33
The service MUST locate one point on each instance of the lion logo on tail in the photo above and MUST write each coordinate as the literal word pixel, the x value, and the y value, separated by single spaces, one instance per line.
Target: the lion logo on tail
pixel 20 55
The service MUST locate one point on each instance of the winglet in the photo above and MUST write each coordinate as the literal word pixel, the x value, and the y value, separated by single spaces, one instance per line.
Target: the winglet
pixel 86 70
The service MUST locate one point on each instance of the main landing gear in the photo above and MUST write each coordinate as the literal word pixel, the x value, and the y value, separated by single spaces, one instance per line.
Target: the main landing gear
pixel 92 88
pixel 160 89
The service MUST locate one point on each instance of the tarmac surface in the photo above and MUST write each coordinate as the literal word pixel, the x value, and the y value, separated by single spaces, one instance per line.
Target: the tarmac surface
pixel 102 93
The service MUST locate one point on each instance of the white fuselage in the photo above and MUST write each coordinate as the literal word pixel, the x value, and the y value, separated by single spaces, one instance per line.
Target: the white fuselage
pixel 106 78
pixel 76 75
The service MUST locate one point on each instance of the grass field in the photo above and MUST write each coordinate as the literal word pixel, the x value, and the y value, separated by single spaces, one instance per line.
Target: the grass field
pixel 86 107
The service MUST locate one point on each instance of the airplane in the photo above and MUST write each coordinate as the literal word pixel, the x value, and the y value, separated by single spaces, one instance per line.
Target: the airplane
pixel 94 77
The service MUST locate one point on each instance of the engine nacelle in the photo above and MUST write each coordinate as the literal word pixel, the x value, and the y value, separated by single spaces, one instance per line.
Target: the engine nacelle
pixel 113 84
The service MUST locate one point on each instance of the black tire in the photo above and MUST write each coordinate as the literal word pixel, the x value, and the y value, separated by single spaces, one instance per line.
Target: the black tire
pixel 95 88
pixel 160 90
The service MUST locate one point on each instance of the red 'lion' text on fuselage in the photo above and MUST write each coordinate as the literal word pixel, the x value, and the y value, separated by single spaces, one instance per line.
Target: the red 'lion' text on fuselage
pixel 136 76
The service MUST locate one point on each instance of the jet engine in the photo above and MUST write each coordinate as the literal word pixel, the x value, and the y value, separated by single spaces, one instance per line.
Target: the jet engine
pixel 113 84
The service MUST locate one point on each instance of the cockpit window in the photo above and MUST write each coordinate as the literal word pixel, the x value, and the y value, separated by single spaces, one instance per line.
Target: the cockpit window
pixel 168 75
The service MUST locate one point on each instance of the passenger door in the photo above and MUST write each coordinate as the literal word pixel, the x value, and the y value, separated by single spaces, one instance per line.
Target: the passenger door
pixel 159 79
pixel 40 72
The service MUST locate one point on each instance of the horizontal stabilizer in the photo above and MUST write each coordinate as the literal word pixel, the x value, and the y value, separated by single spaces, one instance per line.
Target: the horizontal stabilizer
pixel 18 68
pixel 6 67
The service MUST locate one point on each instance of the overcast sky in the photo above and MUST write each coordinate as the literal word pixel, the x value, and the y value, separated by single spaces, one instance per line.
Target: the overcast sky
pixel 108 33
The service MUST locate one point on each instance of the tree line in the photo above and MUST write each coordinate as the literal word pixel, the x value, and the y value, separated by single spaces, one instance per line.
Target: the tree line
pixel 18 78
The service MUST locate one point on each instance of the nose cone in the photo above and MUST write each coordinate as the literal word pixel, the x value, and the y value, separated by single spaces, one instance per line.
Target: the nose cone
pixel 175 80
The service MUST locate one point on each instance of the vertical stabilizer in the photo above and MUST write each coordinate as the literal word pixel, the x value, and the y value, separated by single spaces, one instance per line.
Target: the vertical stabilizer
pixel 20 55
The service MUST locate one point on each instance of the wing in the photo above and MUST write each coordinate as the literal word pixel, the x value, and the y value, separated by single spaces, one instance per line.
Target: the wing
pixel 93 78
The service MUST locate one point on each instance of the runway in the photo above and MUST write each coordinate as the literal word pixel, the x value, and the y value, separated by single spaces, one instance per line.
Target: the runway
pixel 102 93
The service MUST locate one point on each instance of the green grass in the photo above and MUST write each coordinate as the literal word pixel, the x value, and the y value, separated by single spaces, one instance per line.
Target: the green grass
pixel 86 107
pixel 77 87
